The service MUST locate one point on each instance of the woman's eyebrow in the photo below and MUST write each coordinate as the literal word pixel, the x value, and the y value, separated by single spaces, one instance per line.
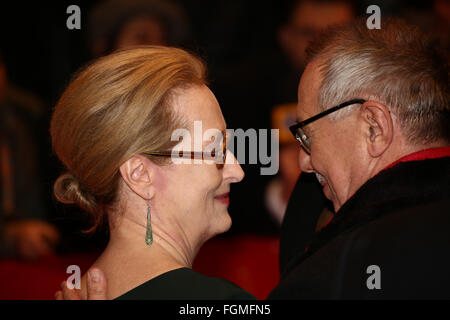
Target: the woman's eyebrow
pixel 223 133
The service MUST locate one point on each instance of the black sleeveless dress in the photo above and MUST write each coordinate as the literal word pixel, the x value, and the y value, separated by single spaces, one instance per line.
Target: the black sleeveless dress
pixel 186 284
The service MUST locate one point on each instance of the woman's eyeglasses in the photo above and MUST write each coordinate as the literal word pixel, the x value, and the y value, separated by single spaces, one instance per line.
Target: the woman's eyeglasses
pixel 300 135
pixel 219 157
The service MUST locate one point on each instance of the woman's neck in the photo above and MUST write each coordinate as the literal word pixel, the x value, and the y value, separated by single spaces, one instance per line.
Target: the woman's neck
pixel 126 268
pixel 128 261
pixel 169 239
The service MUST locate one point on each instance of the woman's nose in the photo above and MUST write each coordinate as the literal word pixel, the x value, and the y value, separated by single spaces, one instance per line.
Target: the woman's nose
pixel 232 169
pixel 304 161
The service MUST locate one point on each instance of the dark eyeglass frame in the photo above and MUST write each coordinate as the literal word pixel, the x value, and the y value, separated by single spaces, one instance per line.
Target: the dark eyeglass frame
pixel 298 133
pixel 220 158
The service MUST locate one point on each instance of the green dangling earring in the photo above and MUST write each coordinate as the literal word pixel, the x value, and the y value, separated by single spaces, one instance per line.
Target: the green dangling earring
pixel 149 233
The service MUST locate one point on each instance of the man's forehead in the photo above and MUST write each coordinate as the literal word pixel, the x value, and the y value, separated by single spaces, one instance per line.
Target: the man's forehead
pixel 308 90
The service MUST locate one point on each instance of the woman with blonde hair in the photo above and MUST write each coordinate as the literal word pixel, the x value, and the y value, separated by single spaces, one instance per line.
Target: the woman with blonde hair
pixel 112 129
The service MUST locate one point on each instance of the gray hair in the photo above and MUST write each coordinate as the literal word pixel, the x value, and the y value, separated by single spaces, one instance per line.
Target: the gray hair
pixel 396 65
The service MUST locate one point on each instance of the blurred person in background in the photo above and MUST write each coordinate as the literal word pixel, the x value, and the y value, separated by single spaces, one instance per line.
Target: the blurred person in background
pixel 119 24
pixel 306 20
pixel 24 231
pixel 278 190
pixel 276 73
pixel 431 17
pixel 442 10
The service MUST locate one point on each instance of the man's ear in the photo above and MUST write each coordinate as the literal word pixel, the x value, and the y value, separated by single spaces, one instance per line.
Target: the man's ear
pixel 378 127
pixel 137 172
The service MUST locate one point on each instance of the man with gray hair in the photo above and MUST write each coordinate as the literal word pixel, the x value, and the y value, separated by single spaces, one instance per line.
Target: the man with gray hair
pixel 374 125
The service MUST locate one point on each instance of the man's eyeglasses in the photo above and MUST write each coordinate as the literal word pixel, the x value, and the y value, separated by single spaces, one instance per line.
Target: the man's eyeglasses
pixel 219 157
pixel 300 135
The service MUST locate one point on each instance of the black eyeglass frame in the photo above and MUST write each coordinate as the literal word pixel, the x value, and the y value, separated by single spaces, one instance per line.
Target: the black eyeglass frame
pixel 296 127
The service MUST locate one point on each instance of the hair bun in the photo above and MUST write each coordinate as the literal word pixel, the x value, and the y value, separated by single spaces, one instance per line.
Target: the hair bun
pixel 67 189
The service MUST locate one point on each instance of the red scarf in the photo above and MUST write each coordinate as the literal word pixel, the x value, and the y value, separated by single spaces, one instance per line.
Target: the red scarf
pixel 432 153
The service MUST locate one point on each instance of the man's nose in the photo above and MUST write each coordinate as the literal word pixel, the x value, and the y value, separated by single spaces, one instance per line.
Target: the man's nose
pixel 304 161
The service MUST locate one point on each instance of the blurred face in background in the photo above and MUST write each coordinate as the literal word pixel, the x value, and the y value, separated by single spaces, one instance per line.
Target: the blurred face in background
pixel 307 20
pixel 141 30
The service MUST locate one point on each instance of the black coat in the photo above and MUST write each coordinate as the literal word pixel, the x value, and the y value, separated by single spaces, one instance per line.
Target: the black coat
pixel 399 221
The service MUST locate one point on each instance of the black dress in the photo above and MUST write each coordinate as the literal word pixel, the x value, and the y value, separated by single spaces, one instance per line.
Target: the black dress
pixel 186 284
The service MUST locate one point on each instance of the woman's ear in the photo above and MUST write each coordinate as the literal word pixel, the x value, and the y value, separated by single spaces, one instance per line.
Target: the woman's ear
pixel 138 173
pixel 378 127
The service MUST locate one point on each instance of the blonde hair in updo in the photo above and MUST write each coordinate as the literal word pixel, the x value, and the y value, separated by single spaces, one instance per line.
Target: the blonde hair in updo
pixel 115 108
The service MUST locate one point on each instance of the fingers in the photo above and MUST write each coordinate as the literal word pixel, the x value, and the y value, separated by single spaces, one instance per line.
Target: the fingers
pixel 58 295
pixel 96 284
pixel 69 294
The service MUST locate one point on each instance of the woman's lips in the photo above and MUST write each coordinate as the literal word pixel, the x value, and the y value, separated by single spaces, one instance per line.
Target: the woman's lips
pixel 224 198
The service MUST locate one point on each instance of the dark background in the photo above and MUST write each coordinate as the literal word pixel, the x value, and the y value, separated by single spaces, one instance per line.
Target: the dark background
pixel 41 53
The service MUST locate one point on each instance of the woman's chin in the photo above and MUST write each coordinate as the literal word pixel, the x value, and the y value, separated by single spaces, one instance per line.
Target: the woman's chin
pixel 229 223
pixel 223 225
